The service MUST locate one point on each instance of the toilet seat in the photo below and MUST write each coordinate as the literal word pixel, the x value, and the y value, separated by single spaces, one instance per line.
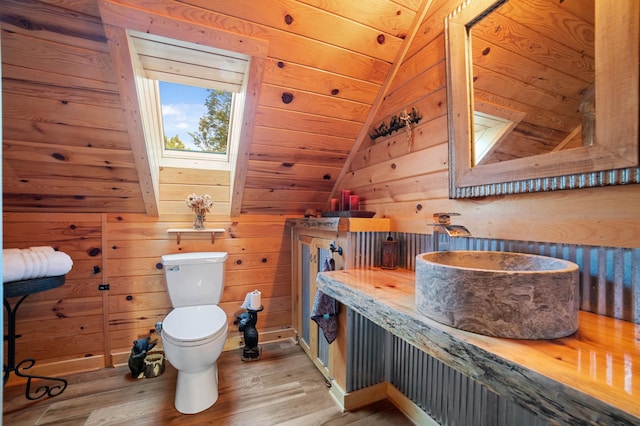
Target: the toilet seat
pixel 194 325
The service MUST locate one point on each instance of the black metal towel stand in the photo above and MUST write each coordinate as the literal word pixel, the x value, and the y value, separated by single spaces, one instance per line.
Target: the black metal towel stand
pixel 24 289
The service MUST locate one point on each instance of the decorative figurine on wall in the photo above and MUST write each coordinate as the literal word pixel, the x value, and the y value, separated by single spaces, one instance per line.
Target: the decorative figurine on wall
pixel 397 122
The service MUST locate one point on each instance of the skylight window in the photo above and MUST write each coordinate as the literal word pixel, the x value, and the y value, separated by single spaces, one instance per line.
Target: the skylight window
pixel 197 94
pixel 195 119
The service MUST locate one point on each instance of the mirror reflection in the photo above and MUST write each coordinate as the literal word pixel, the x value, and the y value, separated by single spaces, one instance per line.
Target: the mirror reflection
pixel 520 76
pixel 533 67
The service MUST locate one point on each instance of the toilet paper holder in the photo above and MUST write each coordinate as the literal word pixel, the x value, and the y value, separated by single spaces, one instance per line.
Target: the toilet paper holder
pixel 247 323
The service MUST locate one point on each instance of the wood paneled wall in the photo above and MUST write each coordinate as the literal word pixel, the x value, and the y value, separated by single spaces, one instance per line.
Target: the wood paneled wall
pixel 78 327
pixel 63 326
pixel 408 182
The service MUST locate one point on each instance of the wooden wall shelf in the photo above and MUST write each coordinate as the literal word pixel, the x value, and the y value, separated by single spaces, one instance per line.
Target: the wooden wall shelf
pixel 342 224
pixel 179 232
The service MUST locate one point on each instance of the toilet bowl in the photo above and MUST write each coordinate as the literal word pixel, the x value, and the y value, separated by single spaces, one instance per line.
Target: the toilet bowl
pixel 193 338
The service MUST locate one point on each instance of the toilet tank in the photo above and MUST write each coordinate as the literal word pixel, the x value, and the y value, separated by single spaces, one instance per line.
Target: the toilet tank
pixel 194 278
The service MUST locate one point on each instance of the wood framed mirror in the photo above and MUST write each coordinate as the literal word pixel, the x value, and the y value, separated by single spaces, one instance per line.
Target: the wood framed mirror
pixel 608 156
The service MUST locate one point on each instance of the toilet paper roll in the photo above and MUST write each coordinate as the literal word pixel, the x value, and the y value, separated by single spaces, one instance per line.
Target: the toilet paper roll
pixel 256 299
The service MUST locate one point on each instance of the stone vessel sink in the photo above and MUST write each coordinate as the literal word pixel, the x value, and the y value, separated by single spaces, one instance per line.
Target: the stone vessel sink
pixel 513 295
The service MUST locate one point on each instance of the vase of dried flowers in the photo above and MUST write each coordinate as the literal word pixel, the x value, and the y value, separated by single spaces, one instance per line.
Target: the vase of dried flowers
pixel 201 205
pixel 198 221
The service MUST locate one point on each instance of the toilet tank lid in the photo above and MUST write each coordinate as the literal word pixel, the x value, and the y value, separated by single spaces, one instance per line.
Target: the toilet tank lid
pixel 197 257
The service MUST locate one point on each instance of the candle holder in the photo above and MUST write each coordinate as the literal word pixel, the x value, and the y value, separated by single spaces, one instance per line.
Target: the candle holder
pixel 344 200
pixel 389 253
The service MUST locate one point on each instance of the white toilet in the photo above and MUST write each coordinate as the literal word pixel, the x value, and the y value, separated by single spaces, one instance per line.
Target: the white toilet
pixel 195 331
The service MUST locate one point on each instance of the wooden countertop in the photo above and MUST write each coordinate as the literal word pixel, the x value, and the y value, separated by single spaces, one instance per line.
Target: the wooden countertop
pixel 592 376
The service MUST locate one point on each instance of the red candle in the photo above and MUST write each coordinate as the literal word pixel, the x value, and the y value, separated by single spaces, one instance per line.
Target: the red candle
pixel 335 205
pixel 354 202
pixel 344 199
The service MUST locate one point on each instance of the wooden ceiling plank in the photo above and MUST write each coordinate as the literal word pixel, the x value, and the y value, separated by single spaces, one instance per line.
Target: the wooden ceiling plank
pixel 314 80
pixel 311 23
pixel 16 72
pixel 298 156
pixel 271 183
pixel 29 52
pixel 387 16
pixel 410 4
pixel 58 186
pixel 205 27
pixel 283 138
pixel 61 94
pixel 298 121
pixel 436 158
pixel 62 134
pixel 431 26
pixel 427 187
pixel 27 169
pixel 53 24
pixel 71 204
pixel 310 103
pixel 287 170
pixel 77 6
pixel 62 111
pixel 150 16
pixel 315 54
pixel 67 155
pixel 276 196
pixel 431 80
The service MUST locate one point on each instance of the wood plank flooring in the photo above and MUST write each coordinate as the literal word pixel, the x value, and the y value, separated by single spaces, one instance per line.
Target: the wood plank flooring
pixel 281 388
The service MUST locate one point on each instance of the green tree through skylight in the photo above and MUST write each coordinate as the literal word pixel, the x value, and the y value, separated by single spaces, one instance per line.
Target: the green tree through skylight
pixel 181 105
pixel 213 128
pixel 173 143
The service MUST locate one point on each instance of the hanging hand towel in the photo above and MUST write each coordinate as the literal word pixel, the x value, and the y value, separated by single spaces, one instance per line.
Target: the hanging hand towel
pixel 325 311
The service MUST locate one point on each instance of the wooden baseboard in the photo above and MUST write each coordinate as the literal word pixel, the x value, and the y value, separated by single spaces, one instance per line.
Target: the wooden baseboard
pixel 234 341
pixel 60 368
pixel 408 407
pixel 353 400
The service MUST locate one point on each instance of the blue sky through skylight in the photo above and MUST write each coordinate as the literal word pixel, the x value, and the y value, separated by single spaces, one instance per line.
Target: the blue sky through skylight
pixel 182 107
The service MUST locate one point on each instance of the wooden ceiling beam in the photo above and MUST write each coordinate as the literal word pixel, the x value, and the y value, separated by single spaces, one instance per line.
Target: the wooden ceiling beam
pixel 120 48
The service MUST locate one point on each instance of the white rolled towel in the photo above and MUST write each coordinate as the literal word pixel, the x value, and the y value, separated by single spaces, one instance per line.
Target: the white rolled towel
pixel 18 265
pixel 13 267
pixel 42 261
pixel 45 249
pixel 29 264
pixel 59 263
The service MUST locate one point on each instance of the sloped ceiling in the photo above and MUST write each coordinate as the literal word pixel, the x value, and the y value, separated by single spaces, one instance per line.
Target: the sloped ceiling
pixel 66 143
